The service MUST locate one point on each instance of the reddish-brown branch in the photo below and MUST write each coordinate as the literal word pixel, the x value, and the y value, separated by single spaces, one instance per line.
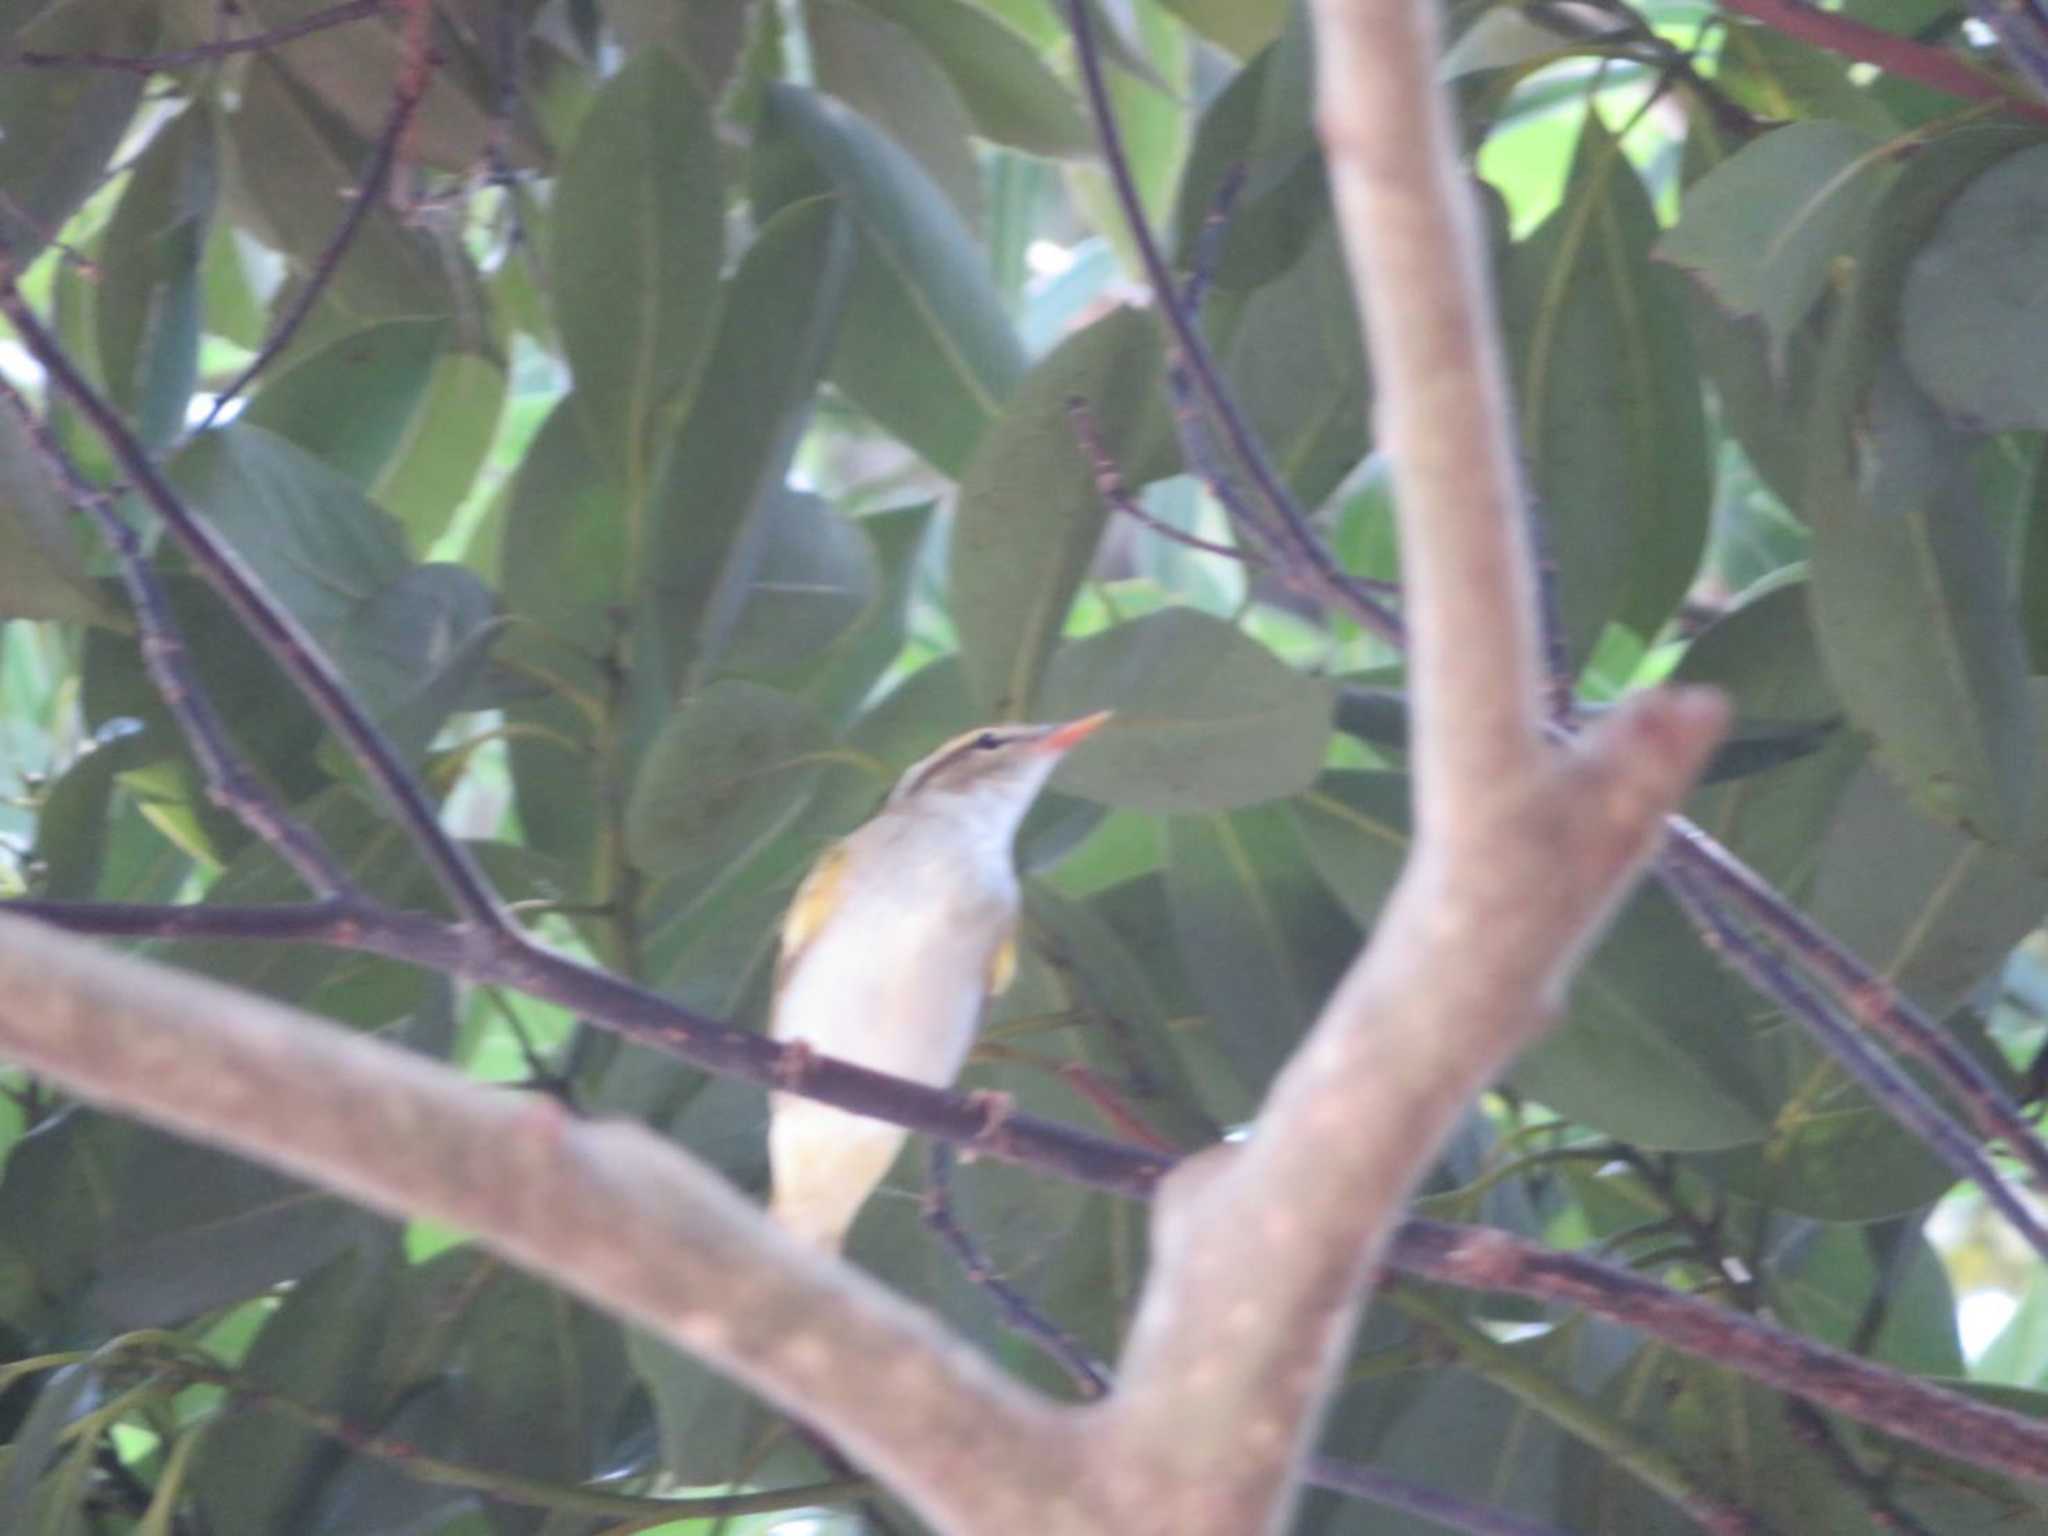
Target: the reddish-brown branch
pixel 1895 55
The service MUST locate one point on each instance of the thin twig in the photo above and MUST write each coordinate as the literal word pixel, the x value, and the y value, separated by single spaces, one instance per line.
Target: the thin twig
pixel 415 74
pixel 152 63
pixel 1088 1374
pixel 229 781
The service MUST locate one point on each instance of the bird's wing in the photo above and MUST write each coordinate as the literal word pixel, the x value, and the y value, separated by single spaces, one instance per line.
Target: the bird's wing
pixel 815 901
pixel 1002 964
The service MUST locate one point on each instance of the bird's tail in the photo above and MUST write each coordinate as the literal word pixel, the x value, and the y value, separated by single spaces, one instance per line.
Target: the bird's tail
pixel 824 1164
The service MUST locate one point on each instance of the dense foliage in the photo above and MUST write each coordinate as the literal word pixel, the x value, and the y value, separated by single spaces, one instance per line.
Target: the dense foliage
pixel 681 445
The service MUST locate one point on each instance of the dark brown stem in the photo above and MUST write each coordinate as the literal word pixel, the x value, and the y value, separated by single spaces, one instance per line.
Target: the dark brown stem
pixel 1110 486
pixel 151 63
pixel 415 74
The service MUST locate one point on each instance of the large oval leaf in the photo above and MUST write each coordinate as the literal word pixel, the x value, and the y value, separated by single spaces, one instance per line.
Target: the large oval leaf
pixel 1259 934
pixel 925 349
pixel 1974 317
pixel 1013 97
pixel 1207 719
pixel 1610 400
pixel 1761 229
pixel 639 235
pixel 734 766
pixel 781 314
pixel 1913 605
pixel 1030 514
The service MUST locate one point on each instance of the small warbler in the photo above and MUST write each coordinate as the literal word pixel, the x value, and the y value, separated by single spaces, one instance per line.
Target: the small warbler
pixel 892 945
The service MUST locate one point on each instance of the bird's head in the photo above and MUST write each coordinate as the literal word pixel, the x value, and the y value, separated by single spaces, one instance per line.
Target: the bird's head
pixel 992 769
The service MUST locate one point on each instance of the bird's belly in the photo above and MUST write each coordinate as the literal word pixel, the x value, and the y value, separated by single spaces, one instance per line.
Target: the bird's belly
pixel 905 1000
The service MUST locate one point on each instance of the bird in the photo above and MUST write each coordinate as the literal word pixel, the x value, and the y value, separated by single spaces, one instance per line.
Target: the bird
pixel 891 948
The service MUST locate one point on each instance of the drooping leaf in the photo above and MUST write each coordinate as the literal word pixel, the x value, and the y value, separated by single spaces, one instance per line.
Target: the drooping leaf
pixel 880 70
pixel 41 573
pixel 150 288
pixel 350 402
pixel 1258 932
pixel 437 459
pixel 340 566
pixel 1610 404
pixel 1024 533
pixel 1654 1048
pixel 1972 321
pixel 732 768
pixel 811 578
pixel 1013 97
pixel 58 127
pixel 1242 26
pixel 725 471
pixel 1207 719
pixel 293 167
pixel 925 349
pixel 1295 362
pixel 639 235
pixel 1763 656
pixel 1760 230
pixel 1912 605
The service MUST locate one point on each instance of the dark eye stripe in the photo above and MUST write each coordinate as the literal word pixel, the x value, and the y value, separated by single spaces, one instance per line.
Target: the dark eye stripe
pixel 987 741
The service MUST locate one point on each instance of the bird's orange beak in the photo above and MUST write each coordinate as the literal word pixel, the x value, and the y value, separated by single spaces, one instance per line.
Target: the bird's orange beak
pixel 1063 737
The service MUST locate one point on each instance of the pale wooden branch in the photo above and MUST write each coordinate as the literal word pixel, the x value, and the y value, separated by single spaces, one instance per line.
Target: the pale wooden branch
pixel 609 1211
pixel 1262 1251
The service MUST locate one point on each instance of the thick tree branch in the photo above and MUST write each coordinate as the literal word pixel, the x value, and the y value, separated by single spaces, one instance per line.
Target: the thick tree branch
pixel 610 1212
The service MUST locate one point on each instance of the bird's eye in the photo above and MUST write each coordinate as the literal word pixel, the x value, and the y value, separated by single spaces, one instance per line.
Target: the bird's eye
pixel 986 741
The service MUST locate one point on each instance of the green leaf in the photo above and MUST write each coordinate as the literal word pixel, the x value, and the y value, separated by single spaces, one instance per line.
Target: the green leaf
pixel 1913 607
pixel 437 459
pixel 731 769
pixel 539 1382
pixel 352 71
pixel 639 236
pixel 1831 1279
pixel 1258 933
pixel 1242 26
pixel 925 348
pixel 350 402
pixel 1029 513
pixel 1295 362
pixel 401 634
pixel 58 127
pixel 842 680
pixel 1207 719
pixel 812 576
pixel 724 475
pixel 317 1347
pixel 1930 908
pixel 1973 320
pixel 880 70
pixel 1013 97
pixel 1763 656
pixel 1652 1049
pixel 707 35
pixel 290 162
pixel 150 276
pixel 41 574
pixel 1611 411
pixel 1762 228
pixel 1260 122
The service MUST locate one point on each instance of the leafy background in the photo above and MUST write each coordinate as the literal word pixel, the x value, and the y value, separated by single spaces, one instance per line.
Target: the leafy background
pixel 682 449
